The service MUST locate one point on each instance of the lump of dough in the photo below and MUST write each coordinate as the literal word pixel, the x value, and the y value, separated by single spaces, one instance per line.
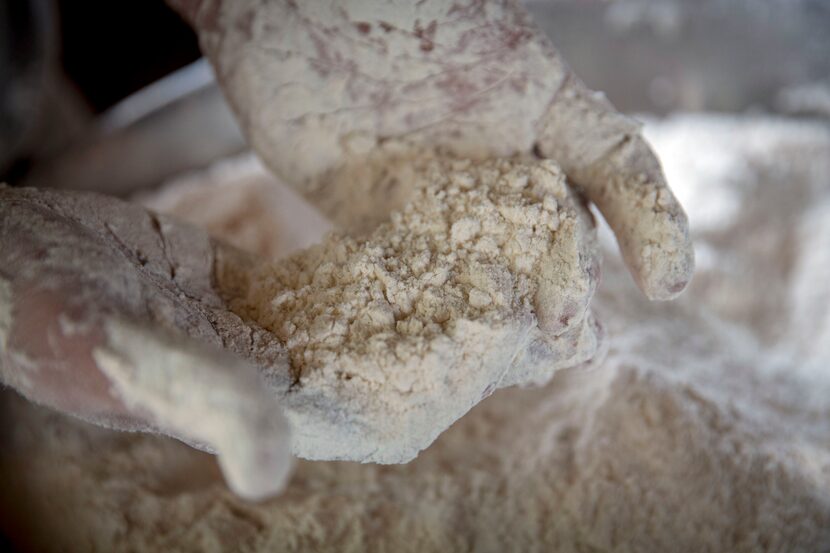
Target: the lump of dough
pixel 481 281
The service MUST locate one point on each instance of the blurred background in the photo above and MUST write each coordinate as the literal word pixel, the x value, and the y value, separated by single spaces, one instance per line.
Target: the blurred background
pixel 92 91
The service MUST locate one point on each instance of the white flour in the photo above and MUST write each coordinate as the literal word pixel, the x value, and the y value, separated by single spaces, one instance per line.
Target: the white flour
pixel 705 428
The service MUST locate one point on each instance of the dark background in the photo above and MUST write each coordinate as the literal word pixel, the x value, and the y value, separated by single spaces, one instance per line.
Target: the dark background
pixel 110 48
pixel 64 61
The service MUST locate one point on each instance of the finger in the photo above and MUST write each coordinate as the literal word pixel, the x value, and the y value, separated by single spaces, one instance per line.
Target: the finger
pixel 208 397
pixel 602 152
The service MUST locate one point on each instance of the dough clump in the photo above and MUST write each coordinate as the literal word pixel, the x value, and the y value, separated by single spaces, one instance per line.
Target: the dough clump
pixel 480 281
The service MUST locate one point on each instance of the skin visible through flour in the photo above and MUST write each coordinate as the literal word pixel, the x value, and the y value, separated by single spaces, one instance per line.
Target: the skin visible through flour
pixel 252 442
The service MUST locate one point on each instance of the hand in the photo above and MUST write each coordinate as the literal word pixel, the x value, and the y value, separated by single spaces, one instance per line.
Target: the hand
pixel 109 313
pixel 319 86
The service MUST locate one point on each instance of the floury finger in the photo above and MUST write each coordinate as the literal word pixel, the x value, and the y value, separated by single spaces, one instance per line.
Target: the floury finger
pixel 604 153
pixel 210 398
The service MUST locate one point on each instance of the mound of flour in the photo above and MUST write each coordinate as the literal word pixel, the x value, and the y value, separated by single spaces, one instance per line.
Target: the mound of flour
pixel 704 429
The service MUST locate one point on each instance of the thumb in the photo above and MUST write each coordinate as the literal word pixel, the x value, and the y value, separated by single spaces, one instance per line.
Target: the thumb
pixel 211 399
pixel 603 152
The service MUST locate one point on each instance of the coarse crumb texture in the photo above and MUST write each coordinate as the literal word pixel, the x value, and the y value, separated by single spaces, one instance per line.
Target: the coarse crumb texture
pixel 705 429
pixel 480 281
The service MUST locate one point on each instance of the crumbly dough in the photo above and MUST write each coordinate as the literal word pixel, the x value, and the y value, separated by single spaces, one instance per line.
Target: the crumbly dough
pixel 481 281
pixel 705 428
